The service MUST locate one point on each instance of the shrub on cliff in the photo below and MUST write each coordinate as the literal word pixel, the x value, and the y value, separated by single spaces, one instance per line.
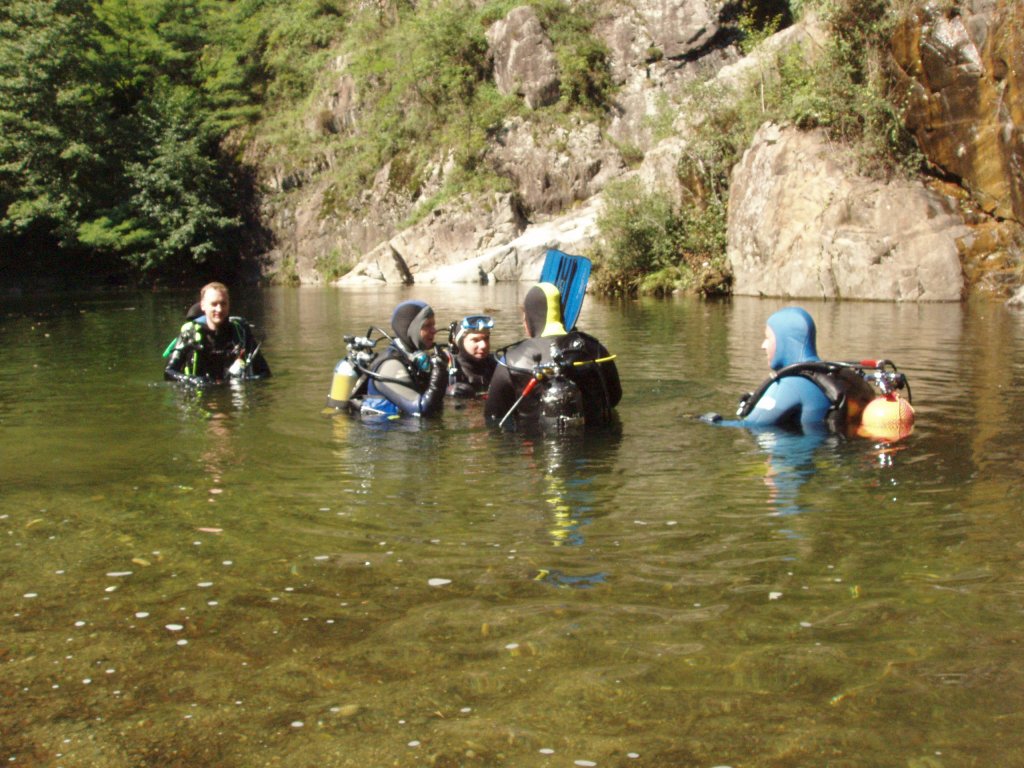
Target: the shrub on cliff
pixel 652 246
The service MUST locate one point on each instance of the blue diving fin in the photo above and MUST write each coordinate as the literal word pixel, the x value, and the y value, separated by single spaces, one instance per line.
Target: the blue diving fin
pixel 570 274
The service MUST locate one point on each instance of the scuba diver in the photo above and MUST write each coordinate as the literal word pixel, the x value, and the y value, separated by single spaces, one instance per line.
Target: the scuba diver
pixel 411 374
pixel 809 394
pixel 213 346
pixel 470 362
pixel 553 378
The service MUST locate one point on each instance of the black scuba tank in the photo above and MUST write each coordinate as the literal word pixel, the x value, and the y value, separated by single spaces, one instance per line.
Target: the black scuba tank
pixel 561 406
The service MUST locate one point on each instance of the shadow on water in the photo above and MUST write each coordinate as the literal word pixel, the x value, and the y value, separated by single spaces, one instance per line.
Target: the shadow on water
pixel 233 578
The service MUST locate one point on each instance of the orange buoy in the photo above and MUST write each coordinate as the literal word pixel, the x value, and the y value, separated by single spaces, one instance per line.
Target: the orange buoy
pixel 888 417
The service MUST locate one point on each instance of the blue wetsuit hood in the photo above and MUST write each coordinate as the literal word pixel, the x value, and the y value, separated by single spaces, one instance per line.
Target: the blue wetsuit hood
pixel 795 337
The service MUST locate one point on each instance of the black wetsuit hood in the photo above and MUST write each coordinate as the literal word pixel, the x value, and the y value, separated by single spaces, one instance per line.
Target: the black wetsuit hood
pixel 407 320
pixel 477 372
pixel 542 311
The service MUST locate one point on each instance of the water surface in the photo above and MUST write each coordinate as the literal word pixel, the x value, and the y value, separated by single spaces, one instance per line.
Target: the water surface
pixel 237 579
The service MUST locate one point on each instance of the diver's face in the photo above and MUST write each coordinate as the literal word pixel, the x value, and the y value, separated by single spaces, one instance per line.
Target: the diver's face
pixel 427 332
pixel 215 306
pixel 768 345
pixel 477 344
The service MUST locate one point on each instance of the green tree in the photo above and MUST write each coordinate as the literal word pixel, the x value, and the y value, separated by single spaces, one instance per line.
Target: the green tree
pixel 174 216
pixel 50 115
pixel 110 133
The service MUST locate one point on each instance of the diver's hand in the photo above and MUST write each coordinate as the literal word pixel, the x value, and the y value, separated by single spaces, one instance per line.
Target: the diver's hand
pixel 461 389
pixel 200 382
pixel 710 418
pixel 195 382
pixel 438 374
pixel 438 362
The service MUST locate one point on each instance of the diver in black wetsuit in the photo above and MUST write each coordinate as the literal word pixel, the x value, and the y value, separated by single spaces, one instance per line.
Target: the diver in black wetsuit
pixel 215 347
pixel 410 376
pixel 471 364
pixel 573 376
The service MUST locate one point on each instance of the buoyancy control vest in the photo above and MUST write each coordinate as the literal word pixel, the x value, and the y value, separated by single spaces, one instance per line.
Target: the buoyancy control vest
pixel 569 379
pixel 844 384
pixel 198 350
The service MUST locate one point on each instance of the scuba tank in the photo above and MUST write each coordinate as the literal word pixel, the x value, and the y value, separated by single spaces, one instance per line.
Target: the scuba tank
pixel 890 416
pixel 561 405
pixel 342 384
pixel 351 372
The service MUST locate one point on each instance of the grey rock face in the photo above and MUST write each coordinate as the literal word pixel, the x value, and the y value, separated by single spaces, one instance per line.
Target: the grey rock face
pixel 802 223
pixel 554 170
pixel 524 59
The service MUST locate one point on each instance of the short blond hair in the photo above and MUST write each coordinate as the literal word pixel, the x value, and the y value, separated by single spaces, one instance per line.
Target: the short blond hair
pixel 219 287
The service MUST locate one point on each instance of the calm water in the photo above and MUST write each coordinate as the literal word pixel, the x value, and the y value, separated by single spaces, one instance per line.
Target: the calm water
pixel 240 580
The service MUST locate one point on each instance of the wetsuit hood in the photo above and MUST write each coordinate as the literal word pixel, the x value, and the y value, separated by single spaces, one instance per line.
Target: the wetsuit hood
pixel 542 307
pixel 795 337
pixel 475 369
pixel 408 319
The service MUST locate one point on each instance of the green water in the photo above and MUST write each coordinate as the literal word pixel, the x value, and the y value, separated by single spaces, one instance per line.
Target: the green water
pixel 239 580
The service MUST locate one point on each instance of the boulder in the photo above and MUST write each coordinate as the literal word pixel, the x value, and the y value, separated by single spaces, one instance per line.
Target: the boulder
pixel 803 223
pixel 381 265
pixel 962 69
pixel 524 58
pixel 518 259
pixel 643 32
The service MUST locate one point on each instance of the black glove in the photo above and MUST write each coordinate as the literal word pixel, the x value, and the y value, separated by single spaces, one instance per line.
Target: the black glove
pixel 432 400
pixel 461 389
pixel 710 418
pixel 196 382
pixel 438 361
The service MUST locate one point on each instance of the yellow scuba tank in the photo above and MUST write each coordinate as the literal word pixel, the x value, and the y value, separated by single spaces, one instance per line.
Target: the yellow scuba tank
pixel 351 371
pixel 344 381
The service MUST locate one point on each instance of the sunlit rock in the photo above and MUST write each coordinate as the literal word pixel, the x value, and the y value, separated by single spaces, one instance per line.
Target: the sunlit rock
pixel 524 58
pixel 962 73
pixel 803 223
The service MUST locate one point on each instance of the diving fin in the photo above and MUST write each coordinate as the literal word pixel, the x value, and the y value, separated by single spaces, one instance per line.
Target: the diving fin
pixel 570 274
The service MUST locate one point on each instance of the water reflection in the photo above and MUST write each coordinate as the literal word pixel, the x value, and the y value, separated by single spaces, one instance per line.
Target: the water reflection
pixel 371 597
pixel 789 464
pixel 568 468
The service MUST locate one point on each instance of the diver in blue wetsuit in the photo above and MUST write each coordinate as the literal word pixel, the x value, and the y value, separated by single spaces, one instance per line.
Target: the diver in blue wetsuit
pixel 793 401
pixel 808 394
pixel 789 337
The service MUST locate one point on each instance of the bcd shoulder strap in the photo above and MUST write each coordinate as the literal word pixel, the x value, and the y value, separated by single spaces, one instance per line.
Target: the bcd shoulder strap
pixel 844 385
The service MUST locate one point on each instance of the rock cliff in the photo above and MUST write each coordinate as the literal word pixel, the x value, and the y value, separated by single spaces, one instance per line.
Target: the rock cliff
pixel 802 222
